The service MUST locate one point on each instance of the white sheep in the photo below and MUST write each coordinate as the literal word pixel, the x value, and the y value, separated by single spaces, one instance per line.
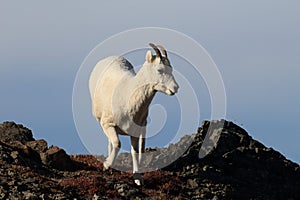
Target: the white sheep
pixel 121 99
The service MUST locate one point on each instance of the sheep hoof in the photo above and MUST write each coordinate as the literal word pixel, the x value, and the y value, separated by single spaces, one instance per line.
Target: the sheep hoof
pixel 105 166
pixel 137 182
pixel 138 179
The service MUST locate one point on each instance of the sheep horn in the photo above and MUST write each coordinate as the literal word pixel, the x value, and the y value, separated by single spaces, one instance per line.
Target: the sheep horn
pixel 158 54
pixel 163 50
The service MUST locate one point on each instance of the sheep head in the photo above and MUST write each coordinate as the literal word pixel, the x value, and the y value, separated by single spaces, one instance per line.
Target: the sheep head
pixel 160 71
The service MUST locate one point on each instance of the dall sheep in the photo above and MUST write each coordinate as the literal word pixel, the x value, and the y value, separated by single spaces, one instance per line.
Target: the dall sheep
pixel 121 99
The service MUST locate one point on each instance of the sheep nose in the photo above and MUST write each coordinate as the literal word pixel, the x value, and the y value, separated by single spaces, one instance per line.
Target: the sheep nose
pixel 176 87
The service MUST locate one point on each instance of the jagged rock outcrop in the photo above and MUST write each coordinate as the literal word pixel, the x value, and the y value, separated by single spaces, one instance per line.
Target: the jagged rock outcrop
pixel 29 169
pixel 10 132
pixel 239 167
pixel 236 167
pixel 21 140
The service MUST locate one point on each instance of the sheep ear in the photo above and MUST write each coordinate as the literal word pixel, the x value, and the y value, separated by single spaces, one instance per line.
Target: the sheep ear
pixel 149 56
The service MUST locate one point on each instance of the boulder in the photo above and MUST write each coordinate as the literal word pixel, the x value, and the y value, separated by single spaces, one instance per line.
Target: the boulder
pixel 38 145
pixel 11 132
pixel 57 158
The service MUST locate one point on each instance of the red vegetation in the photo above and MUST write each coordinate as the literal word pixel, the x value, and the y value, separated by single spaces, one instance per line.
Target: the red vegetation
pixel 94 181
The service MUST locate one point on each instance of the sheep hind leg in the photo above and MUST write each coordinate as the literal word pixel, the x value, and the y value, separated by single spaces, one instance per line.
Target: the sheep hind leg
pixel 113 147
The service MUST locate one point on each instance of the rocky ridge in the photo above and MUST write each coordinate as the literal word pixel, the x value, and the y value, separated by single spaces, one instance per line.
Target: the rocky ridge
pixel 238 167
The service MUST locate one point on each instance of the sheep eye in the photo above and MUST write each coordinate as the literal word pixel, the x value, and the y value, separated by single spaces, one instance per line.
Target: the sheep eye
pixel 160 71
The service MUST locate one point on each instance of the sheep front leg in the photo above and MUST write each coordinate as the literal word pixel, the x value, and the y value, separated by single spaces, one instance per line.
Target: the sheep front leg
pixel 138 180
pixel 142 141
pixel 109 148
pixel 113 146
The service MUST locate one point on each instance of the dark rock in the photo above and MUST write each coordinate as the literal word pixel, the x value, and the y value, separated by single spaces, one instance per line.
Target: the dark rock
pixel 126 190
pixel 38 145
pixel 57 158
pixel 192 183
pixel 21 153
pixel 27 151
pixel 10 132
pixel 252 170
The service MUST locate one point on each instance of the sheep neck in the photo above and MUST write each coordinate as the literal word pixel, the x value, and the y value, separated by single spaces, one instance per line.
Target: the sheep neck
pixel 140 99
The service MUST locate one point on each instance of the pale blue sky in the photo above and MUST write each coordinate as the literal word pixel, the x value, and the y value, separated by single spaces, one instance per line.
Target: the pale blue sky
pixel 255 45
